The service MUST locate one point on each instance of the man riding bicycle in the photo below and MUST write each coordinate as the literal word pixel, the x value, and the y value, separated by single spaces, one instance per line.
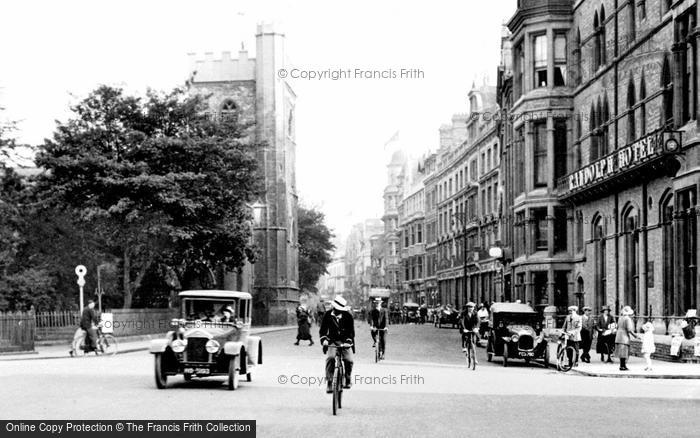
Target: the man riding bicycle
pixel 377 322
pixel 337 327
pixel 572 326
pixel 468 324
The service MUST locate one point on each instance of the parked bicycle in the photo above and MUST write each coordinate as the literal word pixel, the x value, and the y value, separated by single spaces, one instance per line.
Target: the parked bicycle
pixel 380 345
pixel 106 344
pixel 338 376
pixel 470 354
pixel 566 354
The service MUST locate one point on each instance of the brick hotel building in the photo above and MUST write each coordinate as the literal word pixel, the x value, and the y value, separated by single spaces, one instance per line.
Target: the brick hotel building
pixel 600 159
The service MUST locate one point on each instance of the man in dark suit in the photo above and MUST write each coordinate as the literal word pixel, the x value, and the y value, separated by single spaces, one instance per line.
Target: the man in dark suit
pixel 468 324
pixel 88 322
pixel 338 327
pixel 377 321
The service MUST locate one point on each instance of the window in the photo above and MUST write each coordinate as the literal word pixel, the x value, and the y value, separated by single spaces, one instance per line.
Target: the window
pixel 539 223
pixel 597 57
pixel 519 57
pixel 667 87
pixel 604 122
pixel 687 248
pixel 520 162
pixel 631 224
pixel 602 37
pixel 228 110
pixel 632 21
pixel 520 237
pixel 642 9
pixel 577 58
pixel 560 230
pixel 631 122
pixel 405 238
pixel 686 64
pixel 560 149
pixel 559 61
pixel 495 196
pixel 419 233
pixel 671 303
pixel 483 163
pixel 642 107
pixel 600 265
pixel 489 208
pixel 579 231
pixel 540 66
pixel 593 135
pixel 540 169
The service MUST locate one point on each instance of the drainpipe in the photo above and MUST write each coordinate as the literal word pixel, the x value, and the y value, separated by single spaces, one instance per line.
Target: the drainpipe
pixel 645 250
pixel 617 200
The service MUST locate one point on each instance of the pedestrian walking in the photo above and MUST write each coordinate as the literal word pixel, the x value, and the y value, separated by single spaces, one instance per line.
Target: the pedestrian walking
pixel 648 345
pixel 572 325
pixel 625 331
pixel 587 326
pixel 606 335
pixel 304 325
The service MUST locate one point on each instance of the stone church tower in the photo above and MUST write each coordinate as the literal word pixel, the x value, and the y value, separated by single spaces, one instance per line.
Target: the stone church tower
pixel 252 88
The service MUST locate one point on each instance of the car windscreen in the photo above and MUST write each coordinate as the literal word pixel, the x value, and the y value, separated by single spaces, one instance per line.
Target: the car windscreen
pixel 204 309
pixel 515 319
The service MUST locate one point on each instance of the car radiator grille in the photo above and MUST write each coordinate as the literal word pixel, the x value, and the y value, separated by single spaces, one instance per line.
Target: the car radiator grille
pixel 525 342
pixel 196 351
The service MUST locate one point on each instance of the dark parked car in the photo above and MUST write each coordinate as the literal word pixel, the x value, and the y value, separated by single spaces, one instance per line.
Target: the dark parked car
pixel 448 316
pixel 512 333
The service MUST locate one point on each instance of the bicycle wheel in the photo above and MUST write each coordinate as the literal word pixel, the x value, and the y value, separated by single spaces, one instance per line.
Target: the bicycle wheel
pixel 108 345
pixel 472 355
pixel 336 389
pixel 563 362
pixel 376 353
pixel 78 346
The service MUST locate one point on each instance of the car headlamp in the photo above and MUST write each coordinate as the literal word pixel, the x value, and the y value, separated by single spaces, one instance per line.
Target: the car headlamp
pixel 515 337
pixel 212 346
pixel 178 345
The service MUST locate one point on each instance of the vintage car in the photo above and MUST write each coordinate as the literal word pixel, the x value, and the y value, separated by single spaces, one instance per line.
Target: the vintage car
pixel 512 333
pixel 204 343
pixel 448 316
pixel 412 314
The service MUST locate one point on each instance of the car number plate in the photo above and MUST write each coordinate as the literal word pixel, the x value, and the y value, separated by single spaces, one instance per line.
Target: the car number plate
pixel 196 371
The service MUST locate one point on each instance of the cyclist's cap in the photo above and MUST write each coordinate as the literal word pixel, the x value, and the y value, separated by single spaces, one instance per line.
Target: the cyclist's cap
pixel 470 304
pixel 91 301
pixel 574 308
pixel 604 308
pixel 377 300
pixel 586 308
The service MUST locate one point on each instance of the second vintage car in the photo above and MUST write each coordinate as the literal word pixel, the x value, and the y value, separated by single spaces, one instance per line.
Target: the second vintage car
pixel 211 338
pixel 513 333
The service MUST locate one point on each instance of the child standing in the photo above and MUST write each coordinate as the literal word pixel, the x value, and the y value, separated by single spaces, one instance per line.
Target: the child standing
pixel 648 346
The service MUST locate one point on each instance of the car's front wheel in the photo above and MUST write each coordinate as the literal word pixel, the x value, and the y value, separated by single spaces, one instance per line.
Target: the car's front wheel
pixel 233 368
pixel 161 377
pixel 188 377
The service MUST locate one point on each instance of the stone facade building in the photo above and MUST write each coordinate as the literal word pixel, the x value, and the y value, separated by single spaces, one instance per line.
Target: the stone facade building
pixel 250 89
pixel 601 163
pixel 412 229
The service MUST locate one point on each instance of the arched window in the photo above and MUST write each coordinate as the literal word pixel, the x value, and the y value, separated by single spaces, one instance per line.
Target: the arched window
pixel 642 106
pixel 631 123
pixel 668 252
pixel 605 119
pixel 599 254
pixel 596 43
pixel 593 135
pixel 667 87
pixel 579 231
pixel 577 144
pixel 601 32
pixel 579 293
pixel 229 109
pixel 577 59
pixel 632 21
pixel 630 224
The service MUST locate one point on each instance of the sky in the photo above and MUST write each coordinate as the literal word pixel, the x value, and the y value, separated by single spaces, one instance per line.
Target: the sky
pixel 52 53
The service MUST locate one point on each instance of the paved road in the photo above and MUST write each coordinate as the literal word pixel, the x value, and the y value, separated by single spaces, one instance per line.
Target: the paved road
pixel 422 389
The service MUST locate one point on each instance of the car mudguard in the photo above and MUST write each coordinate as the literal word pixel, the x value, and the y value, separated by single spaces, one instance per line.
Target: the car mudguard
pixel 158 346
pixel 254 350
pixel 233 348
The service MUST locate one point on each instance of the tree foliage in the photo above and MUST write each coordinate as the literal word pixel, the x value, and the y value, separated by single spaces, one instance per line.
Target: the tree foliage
pixel 161 187
pixel 315 247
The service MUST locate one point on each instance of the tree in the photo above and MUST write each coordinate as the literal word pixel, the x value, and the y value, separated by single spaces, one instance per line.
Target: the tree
pixel 161 183
pixel 315 247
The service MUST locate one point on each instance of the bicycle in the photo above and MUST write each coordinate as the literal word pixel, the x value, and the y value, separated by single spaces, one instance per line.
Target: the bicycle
pixel 567 355
pixel 106 344
pixel 338 376
pixel 380 342
pixel 470 354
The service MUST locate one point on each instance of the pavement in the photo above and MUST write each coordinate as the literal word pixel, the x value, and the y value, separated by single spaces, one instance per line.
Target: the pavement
pixel 636 365
pixel 128 344
pixel 422 389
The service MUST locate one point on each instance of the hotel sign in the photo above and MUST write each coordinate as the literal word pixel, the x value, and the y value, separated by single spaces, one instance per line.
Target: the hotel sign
pixel 628 157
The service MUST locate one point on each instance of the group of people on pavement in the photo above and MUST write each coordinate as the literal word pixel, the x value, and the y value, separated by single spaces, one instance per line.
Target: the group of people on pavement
pixel 612 336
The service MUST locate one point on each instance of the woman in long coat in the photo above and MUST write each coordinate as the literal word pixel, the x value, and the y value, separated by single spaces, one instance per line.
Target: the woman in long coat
pixel 625 330
pixel 606 334
pixel 304 324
